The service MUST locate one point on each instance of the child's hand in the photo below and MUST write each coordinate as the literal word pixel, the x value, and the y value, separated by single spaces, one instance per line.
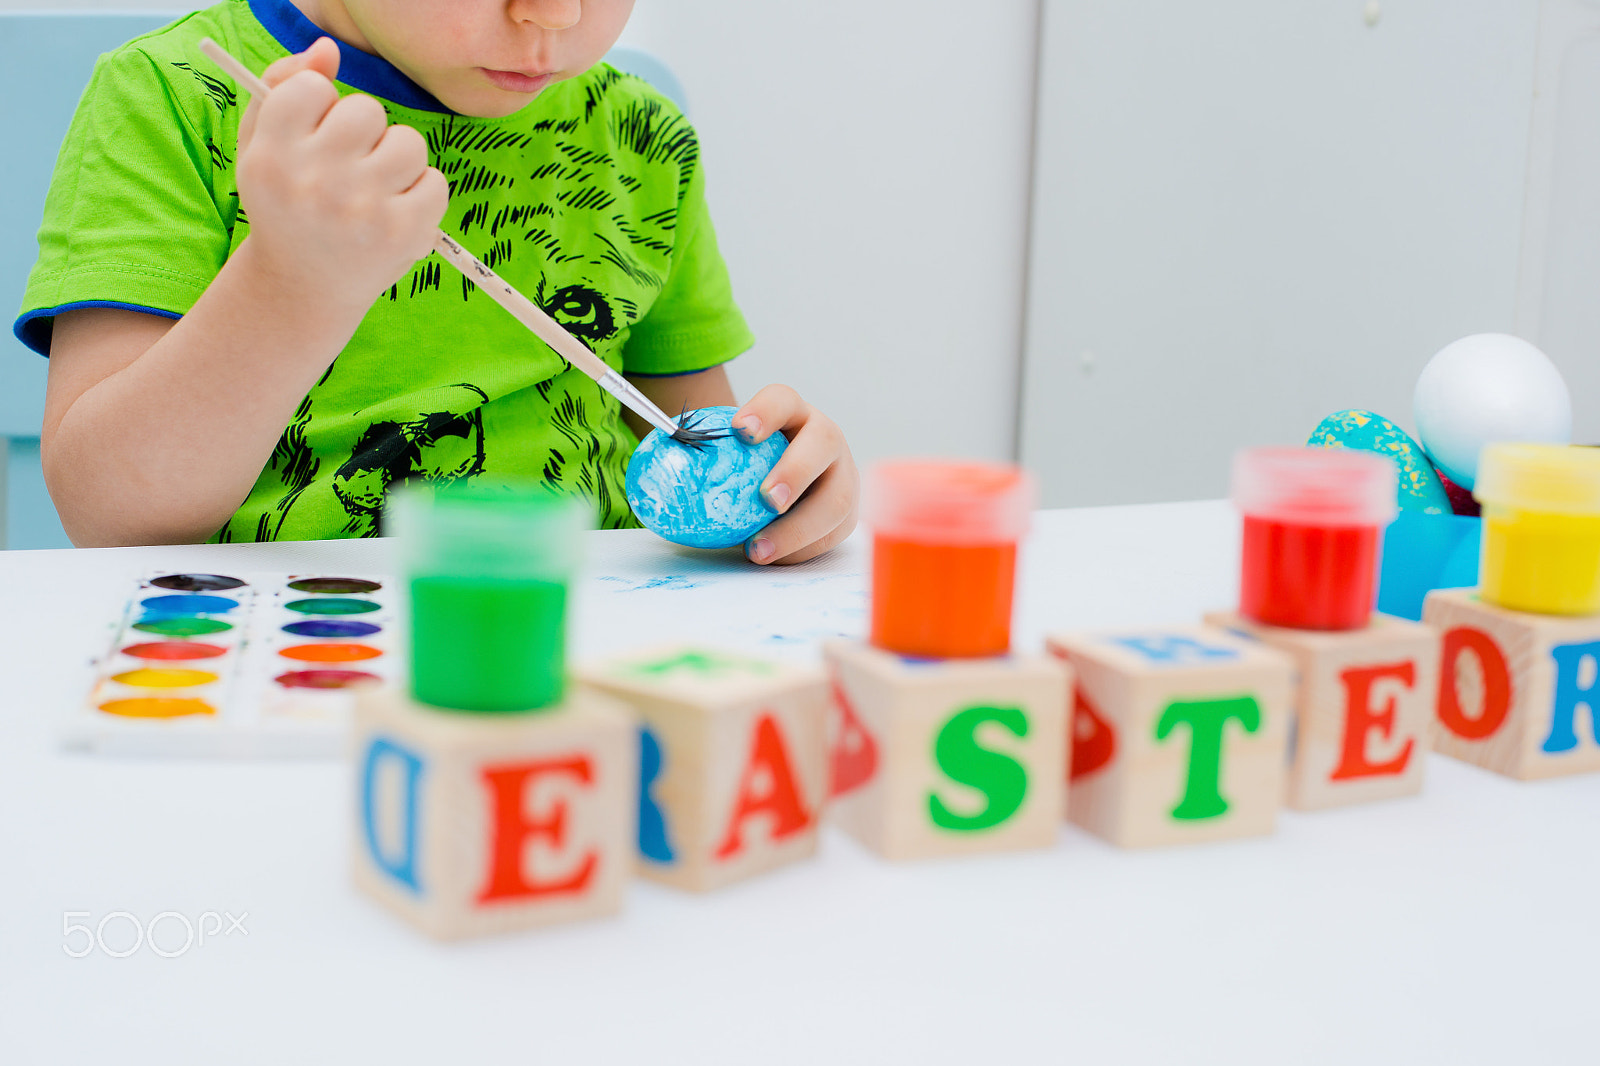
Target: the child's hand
pixel 340 203
pixel 817 470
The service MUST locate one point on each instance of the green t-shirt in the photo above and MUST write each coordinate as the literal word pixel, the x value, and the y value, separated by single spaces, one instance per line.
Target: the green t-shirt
pixel 590 201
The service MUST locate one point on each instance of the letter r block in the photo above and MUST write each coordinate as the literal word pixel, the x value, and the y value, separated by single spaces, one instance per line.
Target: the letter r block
pixel 1179 735
pixel 471 823
pixel 1519 693
pixel 947 757
pixel 733 766
pixel 1363 707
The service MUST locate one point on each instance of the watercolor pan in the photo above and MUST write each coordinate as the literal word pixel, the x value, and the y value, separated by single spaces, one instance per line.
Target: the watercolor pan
pixel 239 665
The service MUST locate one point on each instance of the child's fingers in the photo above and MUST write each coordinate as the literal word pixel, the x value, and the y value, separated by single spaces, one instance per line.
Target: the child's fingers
pixel 773 408
pixel 399 159
pixel 811 451
pixel 296 107
pixel 322 57
pixel 427 202
pixel 354 126
pixel 824 518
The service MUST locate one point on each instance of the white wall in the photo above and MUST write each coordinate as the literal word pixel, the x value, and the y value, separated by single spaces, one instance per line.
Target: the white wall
pixel 1252 213
pixel 868 167
pixel 868 173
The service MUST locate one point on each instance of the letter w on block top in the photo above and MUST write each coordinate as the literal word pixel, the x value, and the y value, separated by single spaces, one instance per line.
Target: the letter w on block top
pixel 512 829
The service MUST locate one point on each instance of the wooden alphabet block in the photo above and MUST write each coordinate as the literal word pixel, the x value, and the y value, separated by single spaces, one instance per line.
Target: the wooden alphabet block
pixel 1511 686
pixel 1180 734
pixel 949 757
pixel 733 761
pixel 1363 707
pixel 471 823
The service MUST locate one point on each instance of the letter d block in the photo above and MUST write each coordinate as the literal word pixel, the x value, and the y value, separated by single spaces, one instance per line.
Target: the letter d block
pixel 733 768
pixel 473 823
pixel 1180 734
pixel 1518 693
pixel 947 758
pixel 1363 707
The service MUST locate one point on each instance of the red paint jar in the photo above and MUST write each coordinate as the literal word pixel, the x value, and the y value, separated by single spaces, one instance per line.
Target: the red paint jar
pixel 944 553
pixel 1312 522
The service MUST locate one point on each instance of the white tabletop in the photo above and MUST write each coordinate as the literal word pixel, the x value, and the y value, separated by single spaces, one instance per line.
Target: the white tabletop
pixel 1461 926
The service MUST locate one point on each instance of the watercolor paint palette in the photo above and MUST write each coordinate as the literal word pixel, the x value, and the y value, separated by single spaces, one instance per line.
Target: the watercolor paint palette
pixel 239 665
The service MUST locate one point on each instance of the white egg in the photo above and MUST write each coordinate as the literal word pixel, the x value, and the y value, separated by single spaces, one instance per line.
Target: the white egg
pixel 1486 388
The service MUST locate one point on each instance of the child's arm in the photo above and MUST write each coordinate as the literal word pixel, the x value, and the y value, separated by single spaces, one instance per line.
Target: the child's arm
pixel 815 486
pixel 156 431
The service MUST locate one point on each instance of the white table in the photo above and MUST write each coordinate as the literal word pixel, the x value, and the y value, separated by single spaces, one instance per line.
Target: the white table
pixel 1462 926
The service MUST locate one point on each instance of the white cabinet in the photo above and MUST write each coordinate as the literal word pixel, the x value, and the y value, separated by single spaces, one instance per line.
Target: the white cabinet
pixel 1249 213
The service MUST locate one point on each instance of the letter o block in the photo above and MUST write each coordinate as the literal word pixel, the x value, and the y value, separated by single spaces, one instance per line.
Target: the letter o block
pixel 733 768
pixel 1180 734
pixel 1363 707
pixel 947 757
pixel 1519 693
pixel 471 823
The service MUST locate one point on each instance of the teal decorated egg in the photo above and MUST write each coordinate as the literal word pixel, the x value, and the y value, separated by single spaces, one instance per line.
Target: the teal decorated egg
pixel 1420 489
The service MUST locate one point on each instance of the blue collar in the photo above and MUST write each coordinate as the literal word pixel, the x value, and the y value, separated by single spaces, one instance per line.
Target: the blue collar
pixel 357 69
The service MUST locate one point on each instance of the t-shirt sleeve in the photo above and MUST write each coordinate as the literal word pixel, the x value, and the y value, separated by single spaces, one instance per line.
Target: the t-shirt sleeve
pixel 130 219
pixel 694 323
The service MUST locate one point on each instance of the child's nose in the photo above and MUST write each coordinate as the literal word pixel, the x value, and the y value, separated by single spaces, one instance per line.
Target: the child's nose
pixel 547 14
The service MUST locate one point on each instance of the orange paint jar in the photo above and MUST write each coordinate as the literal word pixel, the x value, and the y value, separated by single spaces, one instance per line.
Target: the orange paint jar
pixel 944 555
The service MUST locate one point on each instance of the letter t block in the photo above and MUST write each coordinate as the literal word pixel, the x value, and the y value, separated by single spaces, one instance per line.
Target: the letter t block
pixel 471 823
pixel 1180 734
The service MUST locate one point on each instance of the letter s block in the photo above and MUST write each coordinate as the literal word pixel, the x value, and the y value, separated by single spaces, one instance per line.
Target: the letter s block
pixel 472 823
pixel 1363 707
pixel 1519 693
pixel 947 757
pixel 1180 734
pixel 733 769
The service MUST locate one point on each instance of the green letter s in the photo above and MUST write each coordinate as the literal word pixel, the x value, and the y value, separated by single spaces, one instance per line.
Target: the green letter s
pixel 1002 779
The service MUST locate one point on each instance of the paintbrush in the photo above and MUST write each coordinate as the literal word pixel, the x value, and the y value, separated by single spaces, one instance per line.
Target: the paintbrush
pixel 520 307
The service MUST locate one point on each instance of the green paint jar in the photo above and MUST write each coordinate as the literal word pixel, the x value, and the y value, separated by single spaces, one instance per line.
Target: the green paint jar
pixel 486 572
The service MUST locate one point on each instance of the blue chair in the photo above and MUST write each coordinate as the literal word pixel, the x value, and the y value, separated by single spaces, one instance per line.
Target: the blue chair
pixel 45 61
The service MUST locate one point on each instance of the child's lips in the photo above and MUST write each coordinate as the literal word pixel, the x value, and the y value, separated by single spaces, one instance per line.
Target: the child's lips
pixel 513 81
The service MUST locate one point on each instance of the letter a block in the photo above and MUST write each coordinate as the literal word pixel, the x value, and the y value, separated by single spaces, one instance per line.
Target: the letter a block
pixel 1180 734
pixel 1518 693
pixel 947 758
pixel 473 823
pixel 733 768
pixel 1363 707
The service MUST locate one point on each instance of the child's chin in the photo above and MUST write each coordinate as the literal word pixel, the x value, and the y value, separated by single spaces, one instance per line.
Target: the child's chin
pixel 485 102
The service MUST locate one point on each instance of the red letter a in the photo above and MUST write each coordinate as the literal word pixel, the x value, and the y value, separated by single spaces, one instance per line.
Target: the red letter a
pixel 781 798
pixel 511 828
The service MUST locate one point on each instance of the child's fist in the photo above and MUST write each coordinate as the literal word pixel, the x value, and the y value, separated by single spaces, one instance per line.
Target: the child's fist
pixel 340 203
pixel 815 487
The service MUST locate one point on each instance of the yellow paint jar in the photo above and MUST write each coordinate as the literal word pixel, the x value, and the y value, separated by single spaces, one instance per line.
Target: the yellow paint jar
pixel 1541 527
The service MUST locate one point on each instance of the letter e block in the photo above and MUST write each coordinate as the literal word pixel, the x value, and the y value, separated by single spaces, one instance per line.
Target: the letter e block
pixel 733 767
pixel 471 823
pixel 947 757
pixel 1363 707
pixel 1180 734
pixel 1518 693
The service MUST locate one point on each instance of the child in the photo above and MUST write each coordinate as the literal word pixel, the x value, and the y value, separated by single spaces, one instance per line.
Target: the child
pixel 212 273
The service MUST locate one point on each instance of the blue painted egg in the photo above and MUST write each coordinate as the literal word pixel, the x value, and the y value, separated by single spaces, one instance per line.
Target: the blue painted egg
pixel 705 497
pixel 1420 488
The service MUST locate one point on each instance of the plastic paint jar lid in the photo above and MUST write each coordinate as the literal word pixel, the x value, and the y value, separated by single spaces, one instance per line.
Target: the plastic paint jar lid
pixel 502 532
pixel 933 501
pixel 1546 478
pixel 1315 486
